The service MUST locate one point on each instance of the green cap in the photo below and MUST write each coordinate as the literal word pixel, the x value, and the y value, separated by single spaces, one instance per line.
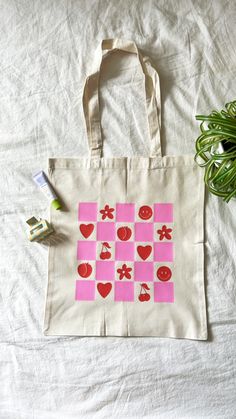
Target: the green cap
pixel 56 204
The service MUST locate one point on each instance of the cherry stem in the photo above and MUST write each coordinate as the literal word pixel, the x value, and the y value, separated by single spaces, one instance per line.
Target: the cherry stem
pixel 103 246
pixel 142 291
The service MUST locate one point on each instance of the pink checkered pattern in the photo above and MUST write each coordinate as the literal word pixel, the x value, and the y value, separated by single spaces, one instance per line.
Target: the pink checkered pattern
pixel 125 252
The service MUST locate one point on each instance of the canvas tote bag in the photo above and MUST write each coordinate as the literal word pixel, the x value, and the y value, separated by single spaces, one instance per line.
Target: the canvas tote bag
pixel 131 262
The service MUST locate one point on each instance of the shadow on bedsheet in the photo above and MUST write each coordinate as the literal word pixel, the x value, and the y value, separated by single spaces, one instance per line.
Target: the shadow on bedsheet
pixel 55 239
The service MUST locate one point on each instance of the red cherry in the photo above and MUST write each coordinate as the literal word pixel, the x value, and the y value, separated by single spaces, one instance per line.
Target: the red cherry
pixel 145 212
pixel 85 270
pixel 164 273
pixel 107 255
pixel 124 233
pixel 144 297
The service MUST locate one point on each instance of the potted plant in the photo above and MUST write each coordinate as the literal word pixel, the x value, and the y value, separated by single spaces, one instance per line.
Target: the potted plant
pixel 216 151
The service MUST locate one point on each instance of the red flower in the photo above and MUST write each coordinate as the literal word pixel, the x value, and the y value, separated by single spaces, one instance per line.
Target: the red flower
pixel 165 233
pixel 124 272
pixel 107 212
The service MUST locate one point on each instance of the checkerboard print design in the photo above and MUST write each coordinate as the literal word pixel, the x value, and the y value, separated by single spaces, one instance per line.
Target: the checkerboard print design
pixel 125 253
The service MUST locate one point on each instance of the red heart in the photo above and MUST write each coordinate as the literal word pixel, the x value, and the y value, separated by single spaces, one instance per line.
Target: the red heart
pixel 86 229
pixel 144 251
pixel 104 289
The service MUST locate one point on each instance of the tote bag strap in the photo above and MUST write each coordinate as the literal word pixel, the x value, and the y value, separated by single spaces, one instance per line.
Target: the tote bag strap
pixel 91 96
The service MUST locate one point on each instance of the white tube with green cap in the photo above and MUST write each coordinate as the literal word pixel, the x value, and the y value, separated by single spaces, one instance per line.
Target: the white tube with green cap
pixel 42 181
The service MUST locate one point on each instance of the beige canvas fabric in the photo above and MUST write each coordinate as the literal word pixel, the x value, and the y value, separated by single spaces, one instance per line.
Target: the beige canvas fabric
pixel 131 261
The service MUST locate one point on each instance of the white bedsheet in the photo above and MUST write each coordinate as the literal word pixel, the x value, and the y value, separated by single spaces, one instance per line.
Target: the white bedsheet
pixel 46 49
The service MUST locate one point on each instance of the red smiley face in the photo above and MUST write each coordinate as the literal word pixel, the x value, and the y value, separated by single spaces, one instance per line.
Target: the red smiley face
pixel 145 212
pixel 164 273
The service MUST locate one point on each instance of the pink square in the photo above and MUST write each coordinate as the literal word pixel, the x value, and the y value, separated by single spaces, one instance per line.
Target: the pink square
pixel 163 252
pixel 86 250
pixel 143 271
pixel 163 213
pixel 105 270
pixel 87 211
pixel 85 290
pixel 106 231
pixel 124 251
pixel 144 232
pixel 124 291
pixel 164 292
pixel 125 212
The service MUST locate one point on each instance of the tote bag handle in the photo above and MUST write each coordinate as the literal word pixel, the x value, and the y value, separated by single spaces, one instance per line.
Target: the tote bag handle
pixel 91 96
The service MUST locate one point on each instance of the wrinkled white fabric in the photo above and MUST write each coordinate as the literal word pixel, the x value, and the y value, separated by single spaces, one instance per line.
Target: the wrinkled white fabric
pixel 46 51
